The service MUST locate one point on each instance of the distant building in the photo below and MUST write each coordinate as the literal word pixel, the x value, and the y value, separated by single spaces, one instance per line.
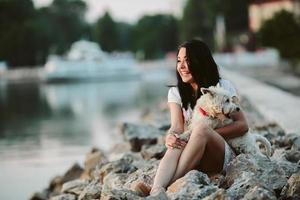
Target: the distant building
pixel 261 10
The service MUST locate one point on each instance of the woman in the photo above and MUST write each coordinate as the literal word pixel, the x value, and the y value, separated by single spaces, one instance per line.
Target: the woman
pixel 206 149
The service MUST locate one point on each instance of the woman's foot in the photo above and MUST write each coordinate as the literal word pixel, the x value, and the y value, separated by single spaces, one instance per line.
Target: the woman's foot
pixel 142 189
pixel 156 190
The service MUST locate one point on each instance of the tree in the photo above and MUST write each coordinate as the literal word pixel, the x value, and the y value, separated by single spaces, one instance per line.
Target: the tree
pixel 66 19
pixel 16 28
pixel 282 32
pixel 155 35
pixel 106 33
pixel 124 31
pixel 236 15
pixel 198 20
pixel 28 35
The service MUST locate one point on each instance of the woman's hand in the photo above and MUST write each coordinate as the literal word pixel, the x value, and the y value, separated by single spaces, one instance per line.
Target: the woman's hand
pixel 173 141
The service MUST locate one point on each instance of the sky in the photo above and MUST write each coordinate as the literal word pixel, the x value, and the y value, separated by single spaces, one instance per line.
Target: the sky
pixel 127 10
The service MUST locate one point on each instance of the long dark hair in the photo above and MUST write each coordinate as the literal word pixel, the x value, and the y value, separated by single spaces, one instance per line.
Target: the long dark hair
pixel 203 68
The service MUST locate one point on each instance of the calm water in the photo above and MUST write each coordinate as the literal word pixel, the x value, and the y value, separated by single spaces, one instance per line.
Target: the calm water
pixel 45 128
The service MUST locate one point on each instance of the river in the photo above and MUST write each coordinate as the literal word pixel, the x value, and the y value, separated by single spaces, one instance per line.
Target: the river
pixel 45 128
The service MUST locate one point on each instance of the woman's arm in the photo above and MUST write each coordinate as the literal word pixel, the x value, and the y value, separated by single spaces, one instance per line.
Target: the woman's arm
pixel 238 128
pixel 177 127
pixel 177 124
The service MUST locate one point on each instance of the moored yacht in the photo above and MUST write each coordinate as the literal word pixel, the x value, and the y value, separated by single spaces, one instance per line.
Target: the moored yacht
pixel 86 61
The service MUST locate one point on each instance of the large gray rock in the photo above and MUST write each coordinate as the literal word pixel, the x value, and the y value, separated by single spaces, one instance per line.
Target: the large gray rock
pixel 144 174
pixel 91 191
pixel 292 189
pixel 138 135
pixel 194 185
pixel 74 187
pixel 92 159
pixel 153 151
pixel 259 192
pixel 220 194
pixel 123 165
pixel 247 171
pixel 73 173
pixel 64 197
pixel 113 188
pixel 56 183
pixel 119 194
pixel 292 155
pixel 296 143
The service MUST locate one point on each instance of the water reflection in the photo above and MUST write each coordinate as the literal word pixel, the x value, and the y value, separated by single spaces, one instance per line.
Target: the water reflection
pixel 45 128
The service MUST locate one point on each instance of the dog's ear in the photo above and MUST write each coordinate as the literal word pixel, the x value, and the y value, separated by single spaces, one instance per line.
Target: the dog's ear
pixel 207 91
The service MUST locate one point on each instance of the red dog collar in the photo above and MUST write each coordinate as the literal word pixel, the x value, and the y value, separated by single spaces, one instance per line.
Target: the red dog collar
pixel 203 112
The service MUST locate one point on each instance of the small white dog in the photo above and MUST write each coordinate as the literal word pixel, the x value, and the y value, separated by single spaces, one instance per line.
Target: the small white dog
pixel 214 108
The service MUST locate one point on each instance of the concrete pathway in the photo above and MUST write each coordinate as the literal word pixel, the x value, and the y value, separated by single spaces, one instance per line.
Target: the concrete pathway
pixel 275 104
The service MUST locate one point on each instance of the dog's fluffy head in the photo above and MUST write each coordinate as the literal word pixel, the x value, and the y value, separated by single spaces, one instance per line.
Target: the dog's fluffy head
pixel 217 102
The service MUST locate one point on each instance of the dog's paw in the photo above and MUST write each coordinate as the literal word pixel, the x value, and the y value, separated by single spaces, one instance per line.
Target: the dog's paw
pixel 184 137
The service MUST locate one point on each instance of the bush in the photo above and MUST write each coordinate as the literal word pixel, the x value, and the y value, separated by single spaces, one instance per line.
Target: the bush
pixel 282 32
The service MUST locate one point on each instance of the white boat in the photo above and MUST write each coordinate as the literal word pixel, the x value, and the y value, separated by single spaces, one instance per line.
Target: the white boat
pixel 86 60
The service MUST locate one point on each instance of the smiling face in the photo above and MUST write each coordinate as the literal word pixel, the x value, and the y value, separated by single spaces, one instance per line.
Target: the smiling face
pixel 182 66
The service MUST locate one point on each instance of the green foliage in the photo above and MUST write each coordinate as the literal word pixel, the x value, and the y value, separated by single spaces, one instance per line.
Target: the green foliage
pixel 125 36
pixel 194 21
pixel 16 28
pixel 106 33
pixel 66 19
pixel 282 32
pixel 27 35
pixel 236 15
pixel 199 18
pixel 155 35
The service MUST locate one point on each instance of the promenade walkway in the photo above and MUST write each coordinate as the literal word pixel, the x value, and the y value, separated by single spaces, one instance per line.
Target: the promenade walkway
pixel 274 104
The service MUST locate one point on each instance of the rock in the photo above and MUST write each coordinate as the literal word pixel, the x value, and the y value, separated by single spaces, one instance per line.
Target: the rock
pixel 92 159
pixel 116 194
pixel 123 165
pixel 91 191
pixel 296 143
pixel 153 151
pixel 288 167
pixel 220 194
pixel 258 192
pixel 39 196
pixel 119 150
pixel 279 154
pixel 247 171
pixel 64 197
pixel 292 189
pixel 73 173
pixel 74 187
pixel 194 185
pixel 159 196
pixel 138 135
pixel 143 174
pixel 217 179
pixel 56 184
pixel 113 188
pixel 292 155
pixel 158 117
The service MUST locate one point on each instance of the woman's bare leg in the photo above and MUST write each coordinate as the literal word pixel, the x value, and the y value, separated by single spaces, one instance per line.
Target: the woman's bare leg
pixel 166 169
pixel 204 145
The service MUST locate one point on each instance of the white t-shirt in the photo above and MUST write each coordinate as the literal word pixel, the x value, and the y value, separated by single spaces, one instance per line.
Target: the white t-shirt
pixel 174 96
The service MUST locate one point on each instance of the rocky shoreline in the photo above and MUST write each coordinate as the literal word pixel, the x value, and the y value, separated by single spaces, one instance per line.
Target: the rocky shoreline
pixel 109 176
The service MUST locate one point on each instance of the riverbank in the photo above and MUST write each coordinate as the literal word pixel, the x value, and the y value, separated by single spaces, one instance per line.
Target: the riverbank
pixel 112 175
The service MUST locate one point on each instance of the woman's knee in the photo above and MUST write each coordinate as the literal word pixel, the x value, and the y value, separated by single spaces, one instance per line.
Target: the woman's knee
pixel 202 131
pixel 172 153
